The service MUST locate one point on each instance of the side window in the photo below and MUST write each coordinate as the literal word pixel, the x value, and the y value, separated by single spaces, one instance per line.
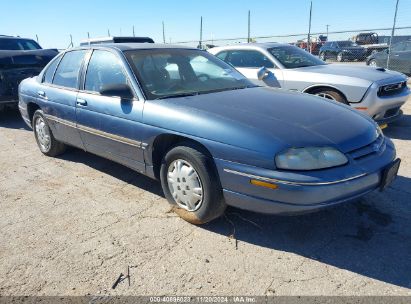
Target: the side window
pixel 222 55
pixel 398 47
pixel 49 73
pixel 103 69
pixel 249 59
pixel 67 74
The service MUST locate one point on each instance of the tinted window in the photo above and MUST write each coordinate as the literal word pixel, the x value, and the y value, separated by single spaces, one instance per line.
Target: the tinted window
pixel 48 75
pixel 398 47
pixel 67 74
pixel 18 44
pixel 104 68
pixel 292 57
pixel 249 59
pixel 222 55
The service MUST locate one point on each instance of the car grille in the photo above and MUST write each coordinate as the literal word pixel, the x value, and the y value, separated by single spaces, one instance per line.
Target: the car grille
pixel 368 150
pixel 391 89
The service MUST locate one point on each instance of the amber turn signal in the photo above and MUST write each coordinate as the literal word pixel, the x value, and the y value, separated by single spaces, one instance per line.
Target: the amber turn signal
pixel 263 184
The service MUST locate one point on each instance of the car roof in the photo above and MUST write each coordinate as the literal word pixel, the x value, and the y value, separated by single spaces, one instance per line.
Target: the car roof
pixel 133 46
pixel 256 45
pixel 14 38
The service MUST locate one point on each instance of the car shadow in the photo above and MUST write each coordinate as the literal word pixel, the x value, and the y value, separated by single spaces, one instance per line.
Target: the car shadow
pixel 400 129
pixel 113 169
pixel 11 118
pixel 361 237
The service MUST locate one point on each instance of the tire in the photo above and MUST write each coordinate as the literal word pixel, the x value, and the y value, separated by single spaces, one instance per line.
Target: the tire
pixel 372 63
pixel 331 94
pixel 183 169
pixel 340 57
pixel 323 56
pixel 48 145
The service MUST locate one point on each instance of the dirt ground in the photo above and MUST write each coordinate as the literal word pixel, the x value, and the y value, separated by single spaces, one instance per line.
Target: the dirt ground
pixel 71 225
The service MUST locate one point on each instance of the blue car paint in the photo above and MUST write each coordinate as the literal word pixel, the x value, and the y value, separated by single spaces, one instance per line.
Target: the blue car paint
pixel 242 129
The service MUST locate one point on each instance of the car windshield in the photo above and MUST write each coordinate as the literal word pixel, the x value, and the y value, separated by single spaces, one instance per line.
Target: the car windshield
pixel 346 44
pixel 10 44
pixel 292 57
pixel 167 73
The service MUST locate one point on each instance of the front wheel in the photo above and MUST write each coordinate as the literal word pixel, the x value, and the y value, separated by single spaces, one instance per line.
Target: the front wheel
pixel 45 140
pixel 373 63
pixel 191 184
pixel 330 94
pixel 340 57
pixel 323 57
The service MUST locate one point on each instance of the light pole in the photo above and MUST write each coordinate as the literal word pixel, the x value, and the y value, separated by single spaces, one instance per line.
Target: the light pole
pixel 327 25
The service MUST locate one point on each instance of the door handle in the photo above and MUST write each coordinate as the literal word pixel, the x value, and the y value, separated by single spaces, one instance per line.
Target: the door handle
pixel 81 102
pixel 42 94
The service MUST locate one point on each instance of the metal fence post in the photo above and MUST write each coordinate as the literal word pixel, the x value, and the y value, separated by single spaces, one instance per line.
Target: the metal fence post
pixel 392 35
pixel 309 29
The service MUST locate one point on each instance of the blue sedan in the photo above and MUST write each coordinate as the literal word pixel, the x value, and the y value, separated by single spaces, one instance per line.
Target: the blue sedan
pixel 207 133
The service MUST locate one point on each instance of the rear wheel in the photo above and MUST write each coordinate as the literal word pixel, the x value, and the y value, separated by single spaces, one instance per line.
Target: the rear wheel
pixel 340 57
pixel 191 185
pixel 330 94
pixel 323 57
pixel 45 140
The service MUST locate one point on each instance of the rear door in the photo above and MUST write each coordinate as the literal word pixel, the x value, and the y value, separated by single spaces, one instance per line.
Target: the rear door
pixel 58 94
pixel 109 126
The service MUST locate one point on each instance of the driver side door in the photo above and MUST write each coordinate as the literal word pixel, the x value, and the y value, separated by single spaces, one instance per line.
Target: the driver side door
pixel 109 125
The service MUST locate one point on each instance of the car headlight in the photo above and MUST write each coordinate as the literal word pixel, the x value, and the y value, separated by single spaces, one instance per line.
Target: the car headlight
pixel 310 158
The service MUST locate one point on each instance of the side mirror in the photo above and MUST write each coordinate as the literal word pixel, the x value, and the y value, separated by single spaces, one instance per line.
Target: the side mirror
pixel 262 73
pixel 117 90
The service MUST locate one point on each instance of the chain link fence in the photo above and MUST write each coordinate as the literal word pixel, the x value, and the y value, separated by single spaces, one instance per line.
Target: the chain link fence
pixel 388 46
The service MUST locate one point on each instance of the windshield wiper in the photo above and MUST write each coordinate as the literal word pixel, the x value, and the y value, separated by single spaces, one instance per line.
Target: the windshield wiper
pixel 178 95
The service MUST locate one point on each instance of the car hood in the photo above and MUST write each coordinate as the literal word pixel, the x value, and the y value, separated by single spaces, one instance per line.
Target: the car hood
pixel 20 59
pixel 363 72
pixel 263 119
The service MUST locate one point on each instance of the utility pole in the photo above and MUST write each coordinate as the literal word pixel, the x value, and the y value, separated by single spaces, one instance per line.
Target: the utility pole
pixel 88 37
pixel 71 41
pixel 108 32
pixel 200 45
pixel 164 34
pixel 327 29
pixel 309 29
pixel 37 38
pixel 249 27
pixel 134 34
pixel 392 34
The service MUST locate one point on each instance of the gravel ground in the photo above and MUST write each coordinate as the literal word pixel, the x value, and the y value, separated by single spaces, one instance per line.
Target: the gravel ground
pixel 71 225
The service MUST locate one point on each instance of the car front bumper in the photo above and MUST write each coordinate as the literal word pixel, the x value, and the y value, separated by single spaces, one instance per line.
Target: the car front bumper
pixel 383 109
pixel 299 193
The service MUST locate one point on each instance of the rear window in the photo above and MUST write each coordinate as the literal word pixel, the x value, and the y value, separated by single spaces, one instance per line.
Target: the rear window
pixel 67 74
pixel 10 44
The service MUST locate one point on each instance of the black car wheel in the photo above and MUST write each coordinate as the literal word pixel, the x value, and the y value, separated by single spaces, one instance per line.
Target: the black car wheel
pixel 45 140
pixel 323 56
pixel 372 63
pixel 340 57
pixel 191 184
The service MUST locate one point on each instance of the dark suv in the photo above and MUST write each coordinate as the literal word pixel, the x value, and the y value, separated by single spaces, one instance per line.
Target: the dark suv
pixel 342 50
pixel 20 58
